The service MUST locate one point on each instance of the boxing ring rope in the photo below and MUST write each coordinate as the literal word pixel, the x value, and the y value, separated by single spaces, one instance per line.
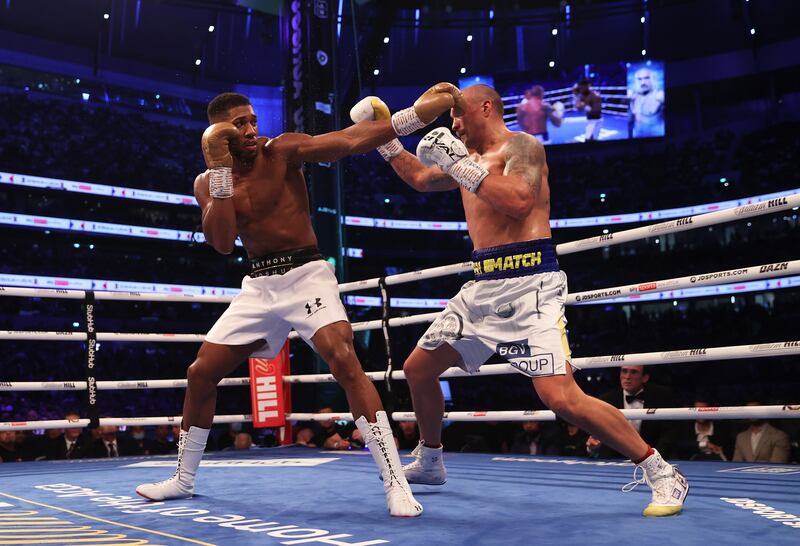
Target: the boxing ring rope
pixel 672 226
pixel 686 223
pixel 764 271
pixel 647 414
pixel 680 356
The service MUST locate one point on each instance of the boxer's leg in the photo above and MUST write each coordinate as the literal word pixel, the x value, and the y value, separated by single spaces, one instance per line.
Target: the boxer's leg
pixel 334 343
pixel 213 362
pixel 422 370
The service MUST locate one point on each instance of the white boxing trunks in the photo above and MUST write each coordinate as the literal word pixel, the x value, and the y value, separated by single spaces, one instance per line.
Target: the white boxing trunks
pixel 304 297
pixel 514 308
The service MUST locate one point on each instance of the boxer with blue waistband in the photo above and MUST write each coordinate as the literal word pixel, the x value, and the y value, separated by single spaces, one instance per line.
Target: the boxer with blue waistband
pixel 515 306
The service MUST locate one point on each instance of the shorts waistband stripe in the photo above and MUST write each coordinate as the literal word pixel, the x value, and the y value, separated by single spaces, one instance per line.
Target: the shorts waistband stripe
pixel 515 260
pixel 284 261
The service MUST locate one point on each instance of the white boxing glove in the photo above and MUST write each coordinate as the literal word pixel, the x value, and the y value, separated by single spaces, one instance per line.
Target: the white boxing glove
pixel 373 108
pixel 441 148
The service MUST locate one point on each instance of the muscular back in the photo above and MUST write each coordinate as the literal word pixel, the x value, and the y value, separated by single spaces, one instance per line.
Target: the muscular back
pixel 270 201
pixel 518 155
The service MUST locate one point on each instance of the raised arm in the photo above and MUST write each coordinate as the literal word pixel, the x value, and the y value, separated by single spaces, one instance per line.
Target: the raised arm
pixel 219 218
pixel 368 135
pixel 418 176
pixel 356 139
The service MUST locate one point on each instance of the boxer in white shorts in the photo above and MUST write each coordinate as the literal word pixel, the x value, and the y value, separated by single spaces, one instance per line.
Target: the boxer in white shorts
pixel 269 306
pixel 515 312
pixel 254 188
pixel 515 307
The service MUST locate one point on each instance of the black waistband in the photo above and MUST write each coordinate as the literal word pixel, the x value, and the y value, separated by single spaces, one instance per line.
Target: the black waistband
pixel 284 261
pixel 515 260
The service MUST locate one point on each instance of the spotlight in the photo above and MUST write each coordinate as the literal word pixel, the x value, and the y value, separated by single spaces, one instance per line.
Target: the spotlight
pixel 644 52
pixel 197 62
pixel 75 324
pixel 551 64
pixel 77 80
pixel 469 37
pixel 76 245
pixel 723 179
pixel 85 96
pixel 106 16
pixel 211 28
pixel 158 96
pixel 376 72
pixel 463 70
pixel 752 31
pixel 554 32
pixel 387 200
pixel 642 20
pixel 385 39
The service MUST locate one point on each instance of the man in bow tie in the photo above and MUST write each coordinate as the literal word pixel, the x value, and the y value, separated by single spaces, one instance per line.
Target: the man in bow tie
pixel 637 392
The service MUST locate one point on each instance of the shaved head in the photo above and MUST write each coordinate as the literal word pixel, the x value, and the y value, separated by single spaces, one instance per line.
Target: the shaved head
pixel 481 93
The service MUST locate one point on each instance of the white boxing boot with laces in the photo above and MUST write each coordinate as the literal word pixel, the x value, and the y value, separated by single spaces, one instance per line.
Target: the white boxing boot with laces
pixel 427 467
pixel 669 486
pixel 191 445
pixel 380 441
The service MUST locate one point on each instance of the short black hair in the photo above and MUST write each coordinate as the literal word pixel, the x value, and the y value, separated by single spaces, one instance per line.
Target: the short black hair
pixel 223 102
pixel 584 81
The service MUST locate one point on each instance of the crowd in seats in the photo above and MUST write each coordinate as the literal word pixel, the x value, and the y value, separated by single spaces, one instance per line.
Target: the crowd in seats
pixel 90 143
pixel 633 177
pixel 77 141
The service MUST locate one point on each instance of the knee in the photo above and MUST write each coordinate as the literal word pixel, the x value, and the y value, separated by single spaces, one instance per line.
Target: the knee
pixel 343 363
pixel 198 375
pixel 563 405
pixel 415 371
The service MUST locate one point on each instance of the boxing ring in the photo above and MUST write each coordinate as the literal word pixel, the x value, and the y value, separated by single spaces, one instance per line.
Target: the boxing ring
pixel 296 495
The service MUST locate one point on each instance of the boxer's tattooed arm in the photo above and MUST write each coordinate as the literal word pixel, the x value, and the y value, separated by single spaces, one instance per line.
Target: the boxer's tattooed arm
pixel 420 177
pixel 525 159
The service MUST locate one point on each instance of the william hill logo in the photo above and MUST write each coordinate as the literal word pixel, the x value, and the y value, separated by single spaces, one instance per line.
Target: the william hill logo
pixel 777 202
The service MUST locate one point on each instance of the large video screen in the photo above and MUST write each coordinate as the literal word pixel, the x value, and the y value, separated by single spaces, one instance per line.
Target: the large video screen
pixel 595 102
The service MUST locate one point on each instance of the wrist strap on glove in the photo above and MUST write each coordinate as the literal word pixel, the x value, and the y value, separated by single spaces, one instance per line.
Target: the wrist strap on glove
pixel 390 149
pixel 406 121
pixel 468 173
pixel 220 182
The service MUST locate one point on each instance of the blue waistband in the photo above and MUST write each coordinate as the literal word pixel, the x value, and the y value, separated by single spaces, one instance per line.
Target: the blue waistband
pixel 515 260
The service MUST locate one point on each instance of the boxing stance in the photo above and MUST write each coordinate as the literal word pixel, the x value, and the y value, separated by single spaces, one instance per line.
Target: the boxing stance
pixel 515 305
pixel 254 187
pixel 534 112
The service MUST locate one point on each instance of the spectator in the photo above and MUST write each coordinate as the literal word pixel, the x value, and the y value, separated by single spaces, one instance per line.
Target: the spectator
pixel 636 392
pixel 242 441
pixel 573 441
pixel 71 443
pixel 332 435
pixel 304 436
pixel 161 444
pixel 112 444
pixel 761 443
pixel 533 439
pixel 704 440
pixel 8 447
pixel 408 435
